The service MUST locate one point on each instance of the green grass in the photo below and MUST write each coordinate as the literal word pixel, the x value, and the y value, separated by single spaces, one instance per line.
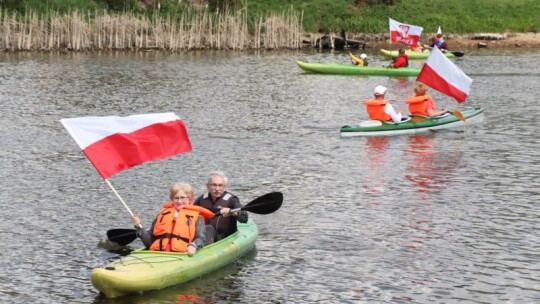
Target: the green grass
pixel 454 16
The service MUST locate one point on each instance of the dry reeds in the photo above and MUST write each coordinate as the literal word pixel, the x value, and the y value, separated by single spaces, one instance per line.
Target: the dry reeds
pixel 192 30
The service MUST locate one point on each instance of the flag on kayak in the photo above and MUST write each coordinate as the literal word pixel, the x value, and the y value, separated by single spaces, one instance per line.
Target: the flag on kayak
pixel 439 31
pixel 113 143
pixel 404 33
pixel 441 74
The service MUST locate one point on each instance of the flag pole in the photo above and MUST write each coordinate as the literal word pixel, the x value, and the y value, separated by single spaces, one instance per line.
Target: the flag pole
pixel 119 197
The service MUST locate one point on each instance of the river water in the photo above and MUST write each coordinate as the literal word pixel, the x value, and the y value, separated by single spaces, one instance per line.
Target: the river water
pixel 438 218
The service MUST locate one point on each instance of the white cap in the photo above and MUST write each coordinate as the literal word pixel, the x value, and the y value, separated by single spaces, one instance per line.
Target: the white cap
pixel 363 56
pixel 379 90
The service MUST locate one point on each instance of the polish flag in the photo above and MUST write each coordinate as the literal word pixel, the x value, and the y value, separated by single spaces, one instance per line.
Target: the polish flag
pixel 404 33
pixel 113 144
pixel 441 74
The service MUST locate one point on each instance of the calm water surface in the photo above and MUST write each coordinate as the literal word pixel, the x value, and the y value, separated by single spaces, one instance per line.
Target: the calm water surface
pixel 444 217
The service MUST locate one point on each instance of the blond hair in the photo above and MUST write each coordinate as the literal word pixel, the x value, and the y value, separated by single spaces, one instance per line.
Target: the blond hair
pixel 420 89
pixel 187 188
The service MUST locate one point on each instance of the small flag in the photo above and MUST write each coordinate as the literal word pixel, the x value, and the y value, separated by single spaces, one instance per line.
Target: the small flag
pixel 439 31
pixel 441 74
pixel 404 33
pixel 113 143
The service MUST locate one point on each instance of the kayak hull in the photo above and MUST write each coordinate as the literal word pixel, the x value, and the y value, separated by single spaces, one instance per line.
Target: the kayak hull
pixel 413 55
pixel 350 69
pixel 416 124
pixel 144 270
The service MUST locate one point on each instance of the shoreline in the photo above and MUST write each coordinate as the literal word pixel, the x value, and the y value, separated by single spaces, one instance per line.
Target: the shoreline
pixel 466 41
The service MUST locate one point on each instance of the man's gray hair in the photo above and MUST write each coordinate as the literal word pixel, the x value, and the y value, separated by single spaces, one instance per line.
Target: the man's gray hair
pixel 220 174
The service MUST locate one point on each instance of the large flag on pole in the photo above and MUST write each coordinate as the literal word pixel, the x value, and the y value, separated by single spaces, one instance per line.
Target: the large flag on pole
pixel 113 143
pixel 404 33
pixel 441 74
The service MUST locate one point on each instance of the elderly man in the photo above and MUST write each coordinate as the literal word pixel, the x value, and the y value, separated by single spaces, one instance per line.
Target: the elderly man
pixel 217 199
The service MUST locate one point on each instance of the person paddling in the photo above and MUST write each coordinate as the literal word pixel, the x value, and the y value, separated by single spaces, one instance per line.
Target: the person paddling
pixel 380 108
pixel 422 104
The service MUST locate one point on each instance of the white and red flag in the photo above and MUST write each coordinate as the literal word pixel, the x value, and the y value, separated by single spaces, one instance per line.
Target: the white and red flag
pixel 404 33
pixel 113 143
pixel 441 74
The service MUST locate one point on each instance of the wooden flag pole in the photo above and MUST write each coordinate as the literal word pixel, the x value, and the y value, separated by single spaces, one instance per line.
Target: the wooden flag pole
pixel 119 197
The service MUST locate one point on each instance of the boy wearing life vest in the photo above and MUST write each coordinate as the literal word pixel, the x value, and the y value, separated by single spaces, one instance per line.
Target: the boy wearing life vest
pixel 380 109
pixel 179 226
pixel 422 104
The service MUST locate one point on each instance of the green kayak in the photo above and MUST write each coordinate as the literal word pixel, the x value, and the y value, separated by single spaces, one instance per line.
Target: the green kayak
pixel 144 270
pixel 419 55
pixel 350 69
pixel 414 124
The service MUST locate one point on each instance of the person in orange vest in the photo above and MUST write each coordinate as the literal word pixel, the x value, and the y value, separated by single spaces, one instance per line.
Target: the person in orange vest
pixel 179 226
pixel 402 61
pixel 380 109
pixel 422 104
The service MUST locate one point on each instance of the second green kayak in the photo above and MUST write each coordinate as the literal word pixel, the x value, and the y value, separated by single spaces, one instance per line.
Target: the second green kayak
pixel 414 124
pixel 144 270
pixel 419 55
pixel 350 69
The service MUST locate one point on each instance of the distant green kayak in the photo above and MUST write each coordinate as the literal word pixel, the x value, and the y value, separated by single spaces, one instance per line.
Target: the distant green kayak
pixel 419 55
pixel 144 270
pixel 414 124
pixel 350 69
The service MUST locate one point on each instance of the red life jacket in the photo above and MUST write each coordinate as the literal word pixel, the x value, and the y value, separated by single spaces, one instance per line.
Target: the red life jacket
pixel 375 109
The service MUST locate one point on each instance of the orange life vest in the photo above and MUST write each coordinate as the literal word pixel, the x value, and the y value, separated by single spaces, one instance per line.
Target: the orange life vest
pixel 178 233
pixel 418 104
pixel 375 109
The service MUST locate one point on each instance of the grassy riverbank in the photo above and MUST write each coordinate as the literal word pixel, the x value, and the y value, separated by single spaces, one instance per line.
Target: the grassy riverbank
pixel 169 25
pixel 355 16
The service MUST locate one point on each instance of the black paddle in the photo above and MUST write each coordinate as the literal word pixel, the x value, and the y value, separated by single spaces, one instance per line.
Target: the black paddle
pixel 458 54
pixel 265 204
pixel 122 236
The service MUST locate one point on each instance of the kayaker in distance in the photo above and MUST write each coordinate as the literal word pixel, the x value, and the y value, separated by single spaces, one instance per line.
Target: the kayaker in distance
pixel 439 42
pixel 180 227
pixel 380 108
pixel 422 104
pixel 402 61
pixel 362 61
pixel 218 199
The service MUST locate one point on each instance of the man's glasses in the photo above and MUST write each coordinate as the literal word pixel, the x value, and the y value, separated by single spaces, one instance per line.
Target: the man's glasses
pixel 214 185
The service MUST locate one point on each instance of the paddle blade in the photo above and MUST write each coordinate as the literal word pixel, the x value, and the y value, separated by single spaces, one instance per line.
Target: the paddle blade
pixel 122 236
pixel 265 204
pixel 458 54
pixel 458 115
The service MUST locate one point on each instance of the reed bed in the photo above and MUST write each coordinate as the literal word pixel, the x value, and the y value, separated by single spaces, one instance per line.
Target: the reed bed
pixel 192 30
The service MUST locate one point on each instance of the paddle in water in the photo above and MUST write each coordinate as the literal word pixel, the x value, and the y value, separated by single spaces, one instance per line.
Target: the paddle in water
pixel 458 114
pixel 265 204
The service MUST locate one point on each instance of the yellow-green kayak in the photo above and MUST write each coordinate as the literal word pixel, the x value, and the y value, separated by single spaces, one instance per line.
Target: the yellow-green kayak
pixel 144 270
pixel 419 55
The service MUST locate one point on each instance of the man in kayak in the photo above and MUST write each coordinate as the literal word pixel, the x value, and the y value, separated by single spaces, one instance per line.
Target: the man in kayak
pixel 422 104
pixel 380 108
pixel 180 227
pixel 402 61
pixel 218 199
